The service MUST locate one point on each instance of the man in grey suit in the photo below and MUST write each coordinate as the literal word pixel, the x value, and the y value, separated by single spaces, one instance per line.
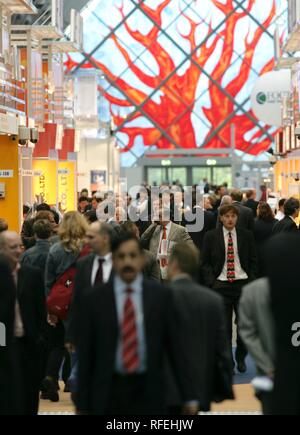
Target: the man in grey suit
pixel 162 235
pixel 201 332
pixel 256 326
pixel 151 267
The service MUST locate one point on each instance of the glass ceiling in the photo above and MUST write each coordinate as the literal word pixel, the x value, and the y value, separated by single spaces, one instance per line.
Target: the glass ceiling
pixel 179 73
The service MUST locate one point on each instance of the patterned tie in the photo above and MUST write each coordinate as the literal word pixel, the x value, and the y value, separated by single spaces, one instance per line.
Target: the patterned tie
pixel 230 260
pixel 99 275
pixel 130 356
pixel 164 261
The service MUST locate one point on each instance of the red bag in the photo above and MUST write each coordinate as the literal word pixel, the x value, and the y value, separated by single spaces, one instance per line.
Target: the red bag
pixel 60 297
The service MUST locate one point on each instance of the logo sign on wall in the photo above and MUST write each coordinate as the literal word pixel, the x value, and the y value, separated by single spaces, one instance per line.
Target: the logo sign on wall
pixel 267 96
pixel 98 180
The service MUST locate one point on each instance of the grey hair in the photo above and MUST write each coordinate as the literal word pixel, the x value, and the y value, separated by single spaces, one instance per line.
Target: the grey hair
pixel 226 200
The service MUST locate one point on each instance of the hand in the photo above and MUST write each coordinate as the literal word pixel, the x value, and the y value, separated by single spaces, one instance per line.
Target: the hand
pixel 52 320
pixel 190 409
pixel 70 347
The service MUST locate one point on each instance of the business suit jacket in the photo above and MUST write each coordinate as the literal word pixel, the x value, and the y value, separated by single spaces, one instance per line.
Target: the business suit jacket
pixel 262 233
pixel 82 287
pixel 256 324
pixel 8 385
pixel 282 254
pixel 201 332
pixel 252 204
pixel 98 345
pixel 246 217
pixel 213 254
pixel 178 234
pixel 32 301
pixel 208 225
pixel 151 268
pixel 286 225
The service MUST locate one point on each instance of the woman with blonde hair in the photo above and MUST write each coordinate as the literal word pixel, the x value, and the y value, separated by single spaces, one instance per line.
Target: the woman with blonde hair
pixel 62 256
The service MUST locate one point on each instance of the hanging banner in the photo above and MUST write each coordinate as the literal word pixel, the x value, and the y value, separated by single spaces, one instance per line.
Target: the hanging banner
pixel 268 94
pixel 45 181
pixel 66 186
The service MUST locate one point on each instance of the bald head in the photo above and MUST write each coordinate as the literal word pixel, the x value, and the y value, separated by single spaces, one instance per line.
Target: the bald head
pixel 11 247
pixel 99 236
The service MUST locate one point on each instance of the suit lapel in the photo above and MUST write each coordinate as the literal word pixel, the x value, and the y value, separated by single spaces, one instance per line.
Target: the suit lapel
pixel 89 265
pixel 221 240
pixel 19 284
pixel 172 232
pixel 147 307
pixel 155 240
pixel 111 311
pixel 239 241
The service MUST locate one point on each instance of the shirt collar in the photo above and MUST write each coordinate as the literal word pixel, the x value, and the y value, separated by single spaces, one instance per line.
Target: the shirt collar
pixel 107 257
pixel 136 285
pixel 42 242
pixel 182 276
pixel 226 232
pixel 293 219
pixel 168 227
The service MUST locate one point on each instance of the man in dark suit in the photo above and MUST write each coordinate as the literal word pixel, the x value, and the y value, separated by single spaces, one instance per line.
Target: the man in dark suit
pixel 201 330
pixel 208 225
pixel 91 270
pixel 229 262
pixel 288 224
pixel 30 320
pixel 246 218
pixel 251 202
pixel 8 380
pixel 282 254
pixel 127 328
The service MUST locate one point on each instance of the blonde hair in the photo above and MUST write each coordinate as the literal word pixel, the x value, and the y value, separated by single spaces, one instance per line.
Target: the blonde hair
pixel 72 231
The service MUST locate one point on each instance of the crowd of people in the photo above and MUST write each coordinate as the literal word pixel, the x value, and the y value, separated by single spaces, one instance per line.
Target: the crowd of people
pixel 133 308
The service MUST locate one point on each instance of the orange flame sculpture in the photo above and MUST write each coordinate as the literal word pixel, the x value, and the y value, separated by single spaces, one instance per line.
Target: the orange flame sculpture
pixel 174 114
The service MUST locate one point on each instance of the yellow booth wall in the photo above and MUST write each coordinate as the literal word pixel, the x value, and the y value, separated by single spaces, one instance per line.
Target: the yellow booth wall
pixel 9 160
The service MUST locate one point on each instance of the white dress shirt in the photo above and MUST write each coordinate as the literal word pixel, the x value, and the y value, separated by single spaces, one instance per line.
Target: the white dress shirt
pixel 280 215
pixel 107 267
pixel 240 274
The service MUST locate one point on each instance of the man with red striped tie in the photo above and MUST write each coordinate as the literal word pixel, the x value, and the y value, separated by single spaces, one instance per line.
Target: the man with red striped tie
pixel 129 327
pixel 229 261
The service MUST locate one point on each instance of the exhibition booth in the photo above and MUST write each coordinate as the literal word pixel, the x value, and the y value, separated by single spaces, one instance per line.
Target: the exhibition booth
pixel 41 127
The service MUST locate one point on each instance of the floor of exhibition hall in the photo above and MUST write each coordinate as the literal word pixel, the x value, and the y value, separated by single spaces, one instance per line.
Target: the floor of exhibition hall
pixel 245 403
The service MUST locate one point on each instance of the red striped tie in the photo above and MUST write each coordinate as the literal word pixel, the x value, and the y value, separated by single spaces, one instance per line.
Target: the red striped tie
pixel 130 355
pixel 230 260
pixel 164 262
